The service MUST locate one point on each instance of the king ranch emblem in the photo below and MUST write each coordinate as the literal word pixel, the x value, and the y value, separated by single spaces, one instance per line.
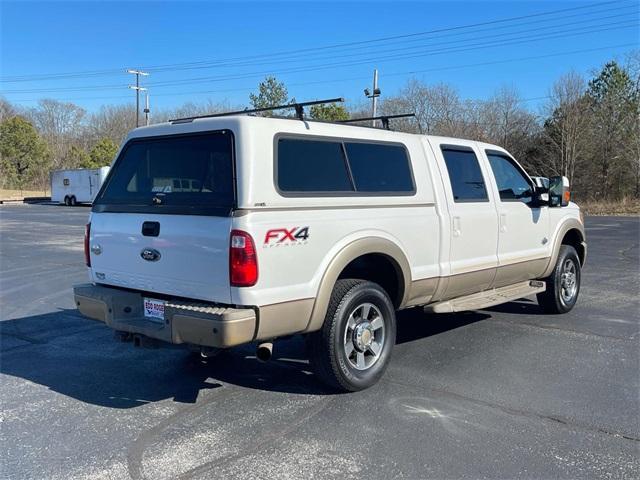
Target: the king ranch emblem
pixel 284 237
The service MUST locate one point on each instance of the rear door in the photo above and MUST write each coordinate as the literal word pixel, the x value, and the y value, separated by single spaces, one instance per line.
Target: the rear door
pixel 473 219
pixel 161 222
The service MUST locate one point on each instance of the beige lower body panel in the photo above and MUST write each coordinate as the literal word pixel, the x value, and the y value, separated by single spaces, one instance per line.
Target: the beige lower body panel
pixel 519 272
pixel 422 291
pixel 467 283
pixel 284 318
pixel 437 289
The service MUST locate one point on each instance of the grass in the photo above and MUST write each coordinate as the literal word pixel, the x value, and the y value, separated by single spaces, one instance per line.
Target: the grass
pixel 20 194
pixel 626 207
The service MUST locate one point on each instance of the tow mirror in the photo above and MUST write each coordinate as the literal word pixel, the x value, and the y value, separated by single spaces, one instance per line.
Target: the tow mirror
pixel 559 193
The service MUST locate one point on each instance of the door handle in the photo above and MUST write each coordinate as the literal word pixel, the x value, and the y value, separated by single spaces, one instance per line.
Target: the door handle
pixel 456 227
pixel 503 222
pixel 151 229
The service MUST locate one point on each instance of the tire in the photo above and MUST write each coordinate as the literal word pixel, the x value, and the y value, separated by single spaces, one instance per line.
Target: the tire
pixel 67 202
pixel 563 285
pixel 72 201
pixel 360 319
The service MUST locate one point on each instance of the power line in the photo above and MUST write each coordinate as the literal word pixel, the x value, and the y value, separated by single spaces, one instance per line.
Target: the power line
pixel 456 49
pixel 377 50
pixel 393 74
pixel 312 49
pixel 470 47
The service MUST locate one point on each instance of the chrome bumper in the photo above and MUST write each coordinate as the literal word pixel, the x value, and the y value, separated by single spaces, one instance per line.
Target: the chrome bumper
pixel 184 322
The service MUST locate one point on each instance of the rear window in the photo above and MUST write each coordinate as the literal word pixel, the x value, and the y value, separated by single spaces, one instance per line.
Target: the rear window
pixel 188 174
pixel 336 167
pixel 465 175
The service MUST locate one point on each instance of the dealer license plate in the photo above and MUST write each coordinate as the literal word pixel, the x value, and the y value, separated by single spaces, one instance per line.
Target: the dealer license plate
pixel 154 309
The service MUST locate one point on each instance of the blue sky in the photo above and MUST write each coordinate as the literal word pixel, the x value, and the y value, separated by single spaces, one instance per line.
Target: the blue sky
pixel 105 38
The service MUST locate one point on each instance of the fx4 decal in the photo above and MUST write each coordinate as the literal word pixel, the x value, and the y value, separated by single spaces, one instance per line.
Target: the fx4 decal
pixel 286 236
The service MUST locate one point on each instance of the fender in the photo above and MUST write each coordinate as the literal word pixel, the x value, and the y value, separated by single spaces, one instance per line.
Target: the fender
pixel 565 226
pixel 345 256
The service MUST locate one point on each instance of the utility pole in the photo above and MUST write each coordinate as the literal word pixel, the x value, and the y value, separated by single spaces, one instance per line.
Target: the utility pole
pixel 373 95
pixel 137 88
pixel 146 109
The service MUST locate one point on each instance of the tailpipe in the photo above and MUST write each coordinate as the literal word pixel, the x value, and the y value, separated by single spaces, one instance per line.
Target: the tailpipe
pixel 264 351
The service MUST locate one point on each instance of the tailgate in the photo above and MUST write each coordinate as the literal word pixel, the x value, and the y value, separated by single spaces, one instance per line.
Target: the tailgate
pixel 188 258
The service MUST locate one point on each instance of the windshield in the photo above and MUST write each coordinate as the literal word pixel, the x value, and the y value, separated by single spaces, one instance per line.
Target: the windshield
pixel 190 174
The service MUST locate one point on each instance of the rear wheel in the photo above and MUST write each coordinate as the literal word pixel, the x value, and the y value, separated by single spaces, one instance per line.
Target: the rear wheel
pixel 72 201
pixel 67 202
pixel 353 348
pixel 563 285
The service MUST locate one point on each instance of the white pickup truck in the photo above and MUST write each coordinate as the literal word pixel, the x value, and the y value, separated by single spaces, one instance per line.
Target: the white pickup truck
pixel 215 232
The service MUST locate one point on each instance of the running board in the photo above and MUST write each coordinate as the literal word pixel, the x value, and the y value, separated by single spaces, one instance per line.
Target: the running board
pixel 488 298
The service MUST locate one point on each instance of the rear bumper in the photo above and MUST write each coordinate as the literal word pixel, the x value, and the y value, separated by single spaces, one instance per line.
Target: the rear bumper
pixel 192 323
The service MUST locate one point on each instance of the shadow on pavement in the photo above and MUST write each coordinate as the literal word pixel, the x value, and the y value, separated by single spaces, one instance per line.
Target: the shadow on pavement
pixel 81 359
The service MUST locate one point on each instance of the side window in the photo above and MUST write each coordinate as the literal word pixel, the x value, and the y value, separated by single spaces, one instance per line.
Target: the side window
pixel 512 184
pixel 312 166
pixel 465 175
pixel 379 168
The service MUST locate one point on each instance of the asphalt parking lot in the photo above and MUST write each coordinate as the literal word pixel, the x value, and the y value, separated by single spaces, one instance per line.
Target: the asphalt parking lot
pixel 499 393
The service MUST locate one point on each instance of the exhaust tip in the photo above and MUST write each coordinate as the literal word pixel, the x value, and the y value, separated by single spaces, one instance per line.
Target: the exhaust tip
pixel 264 352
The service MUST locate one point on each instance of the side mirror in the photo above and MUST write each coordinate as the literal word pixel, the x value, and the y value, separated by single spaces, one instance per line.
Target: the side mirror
pixel 539 198
pixel 559 194
pixel 541 182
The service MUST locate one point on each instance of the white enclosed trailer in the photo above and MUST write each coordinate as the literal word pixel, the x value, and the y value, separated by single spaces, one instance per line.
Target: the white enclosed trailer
pixel 78 185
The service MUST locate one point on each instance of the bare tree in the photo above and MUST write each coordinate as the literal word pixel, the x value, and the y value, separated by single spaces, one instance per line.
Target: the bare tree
pixel 507 123
pixel 60 124
pixel 567 126
pixel 111 121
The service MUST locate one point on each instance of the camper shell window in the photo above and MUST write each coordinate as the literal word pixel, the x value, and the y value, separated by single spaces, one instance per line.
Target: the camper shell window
pixel 177 174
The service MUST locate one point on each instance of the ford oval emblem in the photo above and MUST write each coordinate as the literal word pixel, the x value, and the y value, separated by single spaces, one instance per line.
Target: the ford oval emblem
pixel 150 254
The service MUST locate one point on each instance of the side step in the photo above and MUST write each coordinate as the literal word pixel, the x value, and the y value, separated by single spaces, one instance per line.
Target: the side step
pixel 488 298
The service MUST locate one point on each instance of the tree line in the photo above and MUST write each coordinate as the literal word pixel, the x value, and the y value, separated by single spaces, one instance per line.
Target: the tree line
pixel 587 129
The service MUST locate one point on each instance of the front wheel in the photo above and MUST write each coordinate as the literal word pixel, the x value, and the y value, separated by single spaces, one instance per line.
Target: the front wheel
pixel 353 348
pixel 563 285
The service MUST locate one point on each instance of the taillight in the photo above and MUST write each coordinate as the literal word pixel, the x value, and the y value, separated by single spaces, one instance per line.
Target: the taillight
pixel 87 233
pixel 243 261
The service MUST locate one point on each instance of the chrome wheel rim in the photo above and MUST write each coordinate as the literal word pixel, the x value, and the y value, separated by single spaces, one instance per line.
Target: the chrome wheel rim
pixel 568 281
pixel 364 336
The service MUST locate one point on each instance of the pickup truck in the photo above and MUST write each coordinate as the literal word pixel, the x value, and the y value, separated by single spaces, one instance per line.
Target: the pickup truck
pixel 216 232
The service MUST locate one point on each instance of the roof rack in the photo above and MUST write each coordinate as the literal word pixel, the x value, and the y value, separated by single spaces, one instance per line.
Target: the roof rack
pixel 298 106
pixel 383 118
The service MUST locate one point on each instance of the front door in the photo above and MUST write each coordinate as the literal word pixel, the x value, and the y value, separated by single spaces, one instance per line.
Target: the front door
pixel 523 239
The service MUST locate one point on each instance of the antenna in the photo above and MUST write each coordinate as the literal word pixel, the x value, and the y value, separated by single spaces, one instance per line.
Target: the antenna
pixel 383 118
pixel 298 106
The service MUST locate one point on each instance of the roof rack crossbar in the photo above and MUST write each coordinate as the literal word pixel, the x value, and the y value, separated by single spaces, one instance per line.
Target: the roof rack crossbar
pixel 298 106
pixel 383 118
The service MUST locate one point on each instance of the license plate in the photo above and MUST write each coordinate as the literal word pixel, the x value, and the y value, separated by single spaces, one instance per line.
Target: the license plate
pixel 154 309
